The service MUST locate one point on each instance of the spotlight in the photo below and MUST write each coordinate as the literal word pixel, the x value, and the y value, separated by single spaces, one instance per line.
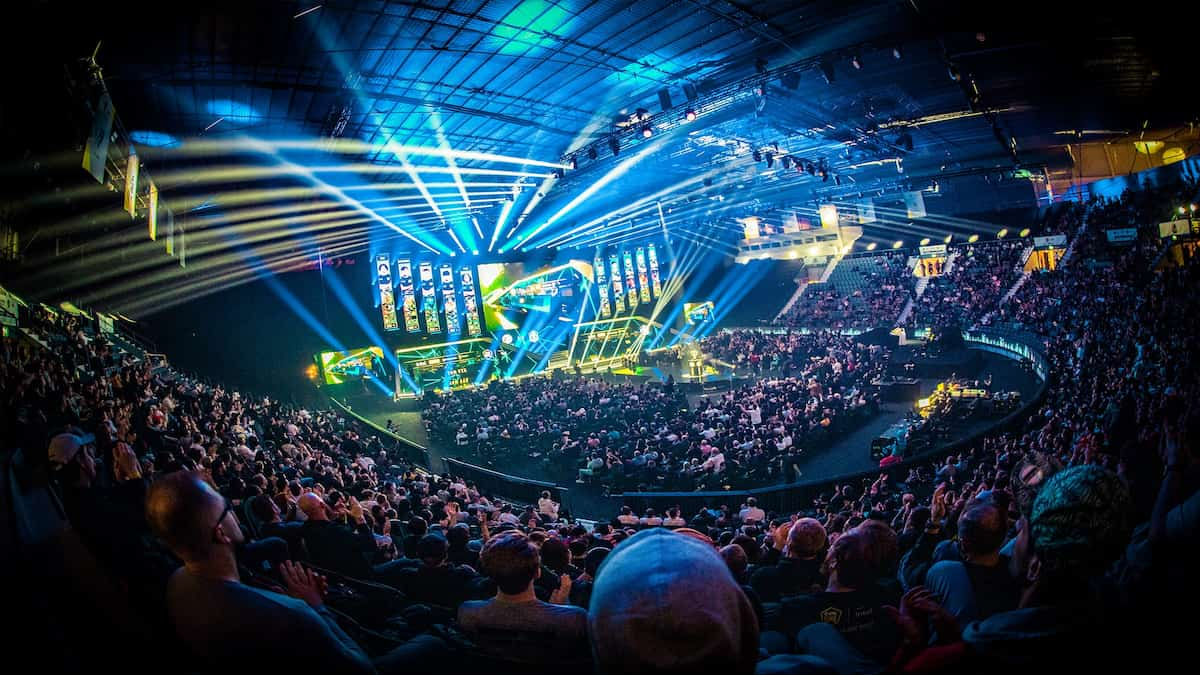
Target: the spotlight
pixel 1025 232
pixel 574 163
pixel 614 145
pixel 871 246
pixel 507 338
pixel 972 239
pixel 1002 233
pixel 592 154
pixel 689 115
pixel 948 238
pixel 897 244
pixel 533 336
pixel 897 52
pixel 558 173
pixel 856 62
pixel 827 71
pixel 647 131
pixel 925 241
pixel 644 330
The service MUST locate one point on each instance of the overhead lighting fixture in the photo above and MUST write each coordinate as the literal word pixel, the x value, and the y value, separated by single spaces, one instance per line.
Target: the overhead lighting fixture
pixel 948 238
pixel 856 62
pixel 1025 232
pixel 647 131
pixel 872 246
pixel 925 241
pixel 689 115
pixel 574 163
pixel 898 244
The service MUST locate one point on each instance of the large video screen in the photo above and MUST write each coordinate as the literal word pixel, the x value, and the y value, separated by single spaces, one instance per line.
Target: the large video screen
pixel 512 294
pixel 355 364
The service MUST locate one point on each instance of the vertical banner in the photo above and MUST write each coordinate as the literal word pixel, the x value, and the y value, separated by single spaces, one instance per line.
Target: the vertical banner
pixel 131 181
pixel 387 298
pixel 829 215
pixel 95 152
pixel 602 285
pixel 915 203
pixel 152 216
pixel 618 288
pixel 171 237
pixel 750 229
pixel 449 300
pixel 655 279
pixel 866 211
pixel 466 280
pixel 182 240
pixel 428 300
pixel 643 275
pixel 630 283
pixel 408 299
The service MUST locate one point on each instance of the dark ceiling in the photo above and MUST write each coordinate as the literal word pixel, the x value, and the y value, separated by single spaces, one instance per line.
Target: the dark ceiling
pixel 941 91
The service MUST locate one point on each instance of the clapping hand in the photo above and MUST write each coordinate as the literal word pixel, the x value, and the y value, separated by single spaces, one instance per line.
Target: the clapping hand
pixel 304 584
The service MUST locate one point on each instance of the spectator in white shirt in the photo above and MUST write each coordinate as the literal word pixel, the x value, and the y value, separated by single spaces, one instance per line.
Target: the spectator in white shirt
pixel 548 507
pixel 751 512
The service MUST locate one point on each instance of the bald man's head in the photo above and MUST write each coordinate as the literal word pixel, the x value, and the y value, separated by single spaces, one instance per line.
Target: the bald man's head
pixel 184 511
pixel 313 507
pixel 981 530
pixel 735 559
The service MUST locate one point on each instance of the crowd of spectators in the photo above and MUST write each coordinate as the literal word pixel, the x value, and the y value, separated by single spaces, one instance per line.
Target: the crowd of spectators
pixel 247 531
pixel 978 278
pixel 630 435
pixel 862 293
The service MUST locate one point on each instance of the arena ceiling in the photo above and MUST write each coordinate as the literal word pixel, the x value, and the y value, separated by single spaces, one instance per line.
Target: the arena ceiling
pixel 491 125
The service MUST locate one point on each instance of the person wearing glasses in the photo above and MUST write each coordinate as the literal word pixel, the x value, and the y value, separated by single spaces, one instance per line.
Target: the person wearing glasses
pixel 225 622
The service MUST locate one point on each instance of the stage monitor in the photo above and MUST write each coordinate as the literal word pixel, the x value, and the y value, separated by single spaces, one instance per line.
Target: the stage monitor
pixel 355 364
pixel 696 313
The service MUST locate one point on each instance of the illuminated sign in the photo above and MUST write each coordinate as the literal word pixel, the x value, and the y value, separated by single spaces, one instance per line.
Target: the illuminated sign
pixel 387 301
pixel 449 302
pixel 630 282
pixel 618 288
pixel 643 275
pixel 408 298
pixel 428 299
pixel 470 304
pixel 655 280
pixel 602 285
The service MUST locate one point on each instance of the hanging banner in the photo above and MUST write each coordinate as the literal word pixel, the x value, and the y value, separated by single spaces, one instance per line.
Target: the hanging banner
pixel 131 181
pixel 408 298
pixel 750 229
pixel 631 293
pixel 655 279
pixel 182 240
pixel 428 299
pixel 866 211
pixel 449 300
pixel 95 152
pixel 915 203
pixel 829 215
pixel 614 266
pixel 602 285
pixel 387 298
pixel 171 237
pixel 790 224
pixel 643 275
pixel 152 216
pixel 466 280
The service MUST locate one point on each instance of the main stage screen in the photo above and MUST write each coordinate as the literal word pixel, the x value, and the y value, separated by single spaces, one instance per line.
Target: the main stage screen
pixel 512 294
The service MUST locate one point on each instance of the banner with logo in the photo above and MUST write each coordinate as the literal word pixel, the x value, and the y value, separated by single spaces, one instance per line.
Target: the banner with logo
pixel 631 293
pixel 1052 241
pixel 387 298
pixel 655 280
pixel 428 299
pixel 449 300
pixel 602 285
pixel 1122 235
pixel 95 152
pixel 131 182
pixel 915 203
pixel 643 274
pixel 618 288
pixel 466 280
pixel 408 297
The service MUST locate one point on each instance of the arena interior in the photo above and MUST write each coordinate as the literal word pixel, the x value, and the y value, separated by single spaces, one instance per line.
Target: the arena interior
pixel 490 336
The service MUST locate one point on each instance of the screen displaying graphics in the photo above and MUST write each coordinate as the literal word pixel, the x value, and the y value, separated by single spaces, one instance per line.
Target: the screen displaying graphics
pixel 655 279
pixel 428 299
pixel 387 301
pixel 408 297
pixel 470 304
pixel 698 312
pixel 510 294
pixel 630 283
pixel 602 284
pixel 643 275
pixel 618 288
pixel 356 364
pixel 453 365
pixel 449 301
